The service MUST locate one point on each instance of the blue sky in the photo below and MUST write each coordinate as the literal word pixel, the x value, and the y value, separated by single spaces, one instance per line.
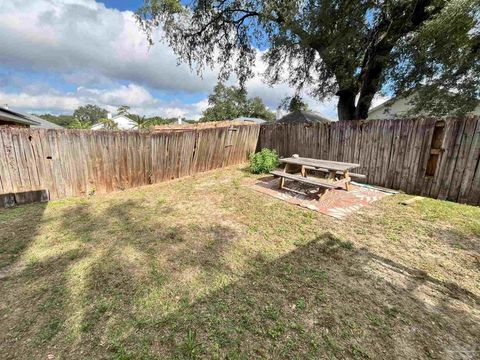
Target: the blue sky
pixel 60 54
pixel 123 5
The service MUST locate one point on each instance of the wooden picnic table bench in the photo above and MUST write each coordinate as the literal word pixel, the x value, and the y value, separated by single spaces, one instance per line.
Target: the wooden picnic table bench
pixel 333 168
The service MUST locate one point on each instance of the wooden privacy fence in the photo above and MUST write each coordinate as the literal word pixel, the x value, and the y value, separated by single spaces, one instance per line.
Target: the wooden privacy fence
pixel 432 157
pixel 439 158
pixel 77 162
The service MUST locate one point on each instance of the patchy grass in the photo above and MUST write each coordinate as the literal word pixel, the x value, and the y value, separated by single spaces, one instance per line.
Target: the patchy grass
pixel 205 267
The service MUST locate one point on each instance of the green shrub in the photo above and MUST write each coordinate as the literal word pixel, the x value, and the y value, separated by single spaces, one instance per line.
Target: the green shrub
pixel 263 161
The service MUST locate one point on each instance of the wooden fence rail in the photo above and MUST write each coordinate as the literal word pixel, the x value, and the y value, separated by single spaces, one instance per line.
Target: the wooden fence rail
pixel 77 162
pixel 439 158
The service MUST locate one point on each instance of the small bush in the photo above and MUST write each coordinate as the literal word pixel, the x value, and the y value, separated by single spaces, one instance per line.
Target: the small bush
pixel 263 161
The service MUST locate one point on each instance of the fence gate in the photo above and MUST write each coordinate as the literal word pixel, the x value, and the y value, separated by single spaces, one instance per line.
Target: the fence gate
pixel 231 138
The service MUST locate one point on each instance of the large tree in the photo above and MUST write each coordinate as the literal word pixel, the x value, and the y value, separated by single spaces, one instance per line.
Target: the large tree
pixel 230 102
pixel 351 49
pixel 90 114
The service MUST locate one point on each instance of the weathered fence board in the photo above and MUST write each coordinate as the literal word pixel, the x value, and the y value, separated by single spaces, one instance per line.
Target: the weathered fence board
pixel 393 153
pixel 78 162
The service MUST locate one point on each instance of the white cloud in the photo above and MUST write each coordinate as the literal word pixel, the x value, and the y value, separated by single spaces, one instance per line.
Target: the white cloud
pixel 39 102
pixel 131 95
pixel 98 49
pixel 83 35
pixel 138 98
pixel 173 109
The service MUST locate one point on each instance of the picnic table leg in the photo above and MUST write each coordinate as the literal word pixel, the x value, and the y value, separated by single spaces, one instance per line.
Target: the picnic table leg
pixel 332 174
pixel 282 179
pixel 321 193
pixel 347 178
pixel 303 171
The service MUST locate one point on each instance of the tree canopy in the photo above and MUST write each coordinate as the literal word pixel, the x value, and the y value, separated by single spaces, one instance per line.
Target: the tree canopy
pixel 77 124
pixel 62 120
pixel 83 117
pixel 294 103
pixel 90 113
pixel 349 49
pixel 123 110
pixel 230 102
pixel 108 124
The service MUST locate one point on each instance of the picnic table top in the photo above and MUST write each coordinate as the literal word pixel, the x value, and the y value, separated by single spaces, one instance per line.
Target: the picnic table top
pixel 323 164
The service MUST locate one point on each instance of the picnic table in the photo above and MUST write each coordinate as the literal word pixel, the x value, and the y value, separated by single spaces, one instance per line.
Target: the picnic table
pixel 337 173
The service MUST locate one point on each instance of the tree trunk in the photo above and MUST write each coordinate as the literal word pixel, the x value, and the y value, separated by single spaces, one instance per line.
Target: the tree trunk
pixel 346 104
pixel 370 86
pixel 376 60
pixel 377 55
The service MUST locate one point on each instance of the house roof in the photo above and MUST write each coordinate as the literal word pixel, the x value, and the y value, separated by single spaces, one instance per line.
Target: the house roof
pixel 44 124
pixel 16 117
pixel 383 104
pixel 401 105
pixel 303 117
pixel 26 119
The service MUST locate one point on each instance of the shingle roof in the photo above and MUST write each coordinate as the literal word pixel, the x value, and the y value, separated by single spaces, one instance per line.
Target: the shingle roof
pixel 15 117
pixel 303 117
pixel 44 124
pixel 26 119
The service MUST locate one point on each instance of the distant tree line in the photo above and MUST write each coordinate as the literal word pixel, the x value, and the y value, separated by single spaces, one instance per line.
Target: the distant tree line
pixel 84 117
pixel 225 103
pixel 230 102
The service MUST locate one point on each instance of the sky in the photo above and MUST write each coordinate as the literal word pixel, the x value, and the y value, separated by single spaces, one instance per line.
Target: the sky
pixel 57 55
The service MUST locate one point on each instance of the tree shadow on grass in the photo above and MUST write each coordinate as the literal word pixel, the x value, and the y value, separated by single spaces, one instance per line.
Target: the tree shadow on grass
pixel 18 228
pixel 31 294
pixel 420 277
pixel 177 237
pixel 116 259
pixel 127 290
pixel 128 276
pixel 460 240
pixel 323 300
pixel 34 306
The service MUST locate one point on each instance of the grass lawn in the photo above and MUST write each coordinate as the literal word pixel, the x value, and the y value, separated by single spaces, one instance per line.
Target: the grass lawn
pixel 206 267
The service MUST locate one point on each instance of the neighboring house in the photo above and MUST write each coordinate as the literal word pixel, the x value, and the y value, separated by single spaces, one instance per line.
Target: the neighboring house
pixel 397 108
pixel 307 117
pixel 14 118
pixel 250 120
pixel 122 121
